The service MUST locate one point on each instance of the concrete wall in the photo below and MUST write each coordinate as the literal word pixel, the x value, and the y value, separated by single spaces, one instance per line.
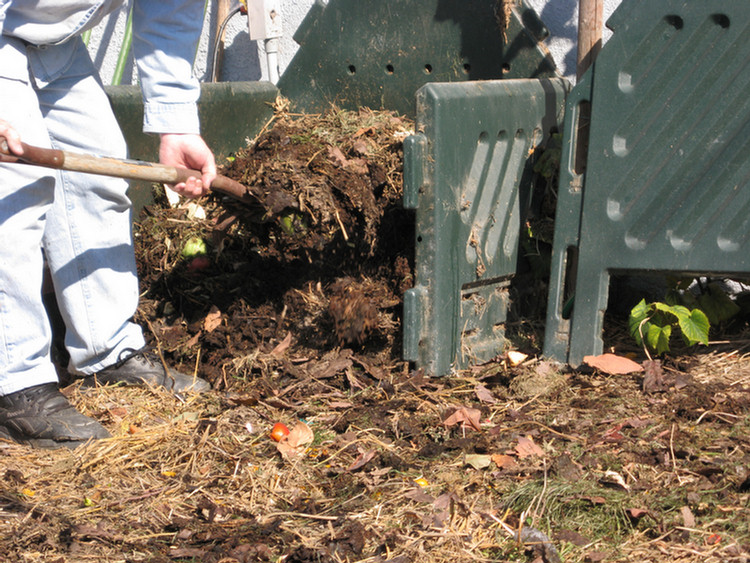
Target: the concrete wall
pixel 245 60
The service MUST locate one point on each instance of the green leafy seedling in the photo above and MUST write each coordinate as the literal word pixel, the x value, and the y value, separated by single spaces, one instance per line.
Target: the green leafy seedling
pixel 651 324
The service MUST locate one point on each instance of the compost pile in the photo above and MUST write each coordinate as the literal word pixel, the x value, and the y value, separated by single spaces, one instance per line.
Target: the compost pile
pixel 317 261
pixel 290 305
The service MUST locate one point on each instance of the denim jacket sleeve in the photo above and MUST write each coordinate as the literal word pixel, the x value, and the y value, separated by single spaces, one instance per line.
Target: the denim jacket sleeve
pixel 165 37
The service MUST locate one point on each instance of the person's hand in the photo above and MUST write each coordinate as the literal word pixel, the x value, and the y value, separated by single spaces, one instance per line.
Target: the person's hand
pixel 188 151
pixel 13 141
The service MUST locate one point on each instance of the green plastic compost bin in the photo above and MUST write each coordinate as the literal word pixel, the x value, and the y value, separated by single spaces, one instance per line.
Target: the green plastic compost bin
pixel 467 174
pixel 666 185
pixel 377 54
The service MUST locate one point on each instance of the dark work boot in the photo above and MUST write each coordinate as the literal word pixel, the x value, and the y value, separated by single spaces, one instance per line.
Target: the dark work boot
pixel 42 417
pixel 143 367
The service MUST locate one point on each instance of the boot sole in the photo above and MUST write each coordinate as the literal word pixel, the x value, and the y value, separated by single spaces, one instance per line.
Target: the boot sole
pixel 43 443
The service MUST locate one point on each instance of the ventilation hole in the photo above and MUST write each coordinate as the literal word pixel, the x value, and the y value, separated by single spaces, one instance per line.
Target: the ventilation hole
pixel 620 146
pixel 519 133
pixel 419 239
pixel 467 68
pixel 721 20
pixel 625 82
pixel 428 69
pixel 569 282
pixel 352 69
pixel 506 67
pixel 470 333
pixel 675 21
pixel 582 129
pixel 483 136
pixel 389 69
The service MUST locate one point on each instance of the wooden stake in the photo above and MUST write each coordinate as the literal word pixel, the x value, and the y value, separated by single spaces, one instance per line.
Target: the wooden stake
pixel 222 11
pixel 590 21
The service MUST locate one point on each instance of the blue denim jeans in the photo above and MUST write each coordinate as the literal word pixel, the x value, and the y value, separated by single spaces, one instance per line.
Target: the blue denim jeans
pixel 80 223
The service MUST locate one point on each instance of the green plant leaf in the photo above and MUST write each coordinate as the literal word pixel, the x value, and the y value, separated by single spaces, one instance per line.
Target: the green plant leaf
pixel 638 314
pixel 653 322
pixel 717 305
pixel 673 297
pixel 680 311
pixel 671 310
pixel 689 300
pixel 647 328
pixel 657 338
pixel 695 327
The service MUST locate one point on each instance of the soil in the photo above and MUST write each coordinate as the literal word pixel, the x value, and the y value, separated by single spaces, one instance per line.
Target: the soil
pixel 293 314
pixel 319 260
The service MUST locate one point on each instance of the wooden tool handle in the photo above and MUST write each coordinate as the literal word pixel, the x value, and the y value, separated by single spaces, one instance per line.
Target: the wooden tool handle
pixel 120 168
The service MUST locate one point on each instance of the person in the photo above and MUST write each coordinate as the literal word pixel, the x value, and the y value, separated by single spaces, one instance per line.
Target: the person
pixel 79 225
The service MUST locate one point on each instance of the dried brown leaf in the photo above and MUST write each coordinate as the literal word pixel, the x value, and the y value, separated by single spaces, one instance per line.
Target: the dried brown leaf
pixel 636 512
pixel 572 537
pixel 653 378
pixel 504 461
pixel 367 131
pixel 592 499
pixel 212 320
pixel 485 395
pixel 688 519
pixel 362 460
pixel 340 405
pixel 360 147
pixel 296 441
pixel 88 531
pixel 613 364
pixel 527 448
pixel 478 461
pixel 194 339
pixel 419 495
pixel 357 166
pixel 187 552
pixel 282 346
pixel 446 500
pixel 332 366
pixel 466 417
pixel 338 158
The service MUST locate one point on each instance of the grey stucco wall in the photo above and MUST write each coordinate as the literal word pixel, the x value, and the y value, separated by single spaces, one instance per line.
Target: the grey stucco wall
pixel 561 17
pixel 245 59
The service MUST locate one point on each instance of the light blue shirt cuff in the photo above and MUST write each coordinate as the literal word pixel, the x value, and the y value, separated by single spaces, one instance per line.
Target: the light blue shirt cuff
pixel 171 118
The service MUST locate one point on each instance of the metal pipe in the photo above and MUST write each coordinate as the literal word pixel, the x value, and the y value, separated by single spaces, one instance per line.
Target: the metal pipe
pixel 272 59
